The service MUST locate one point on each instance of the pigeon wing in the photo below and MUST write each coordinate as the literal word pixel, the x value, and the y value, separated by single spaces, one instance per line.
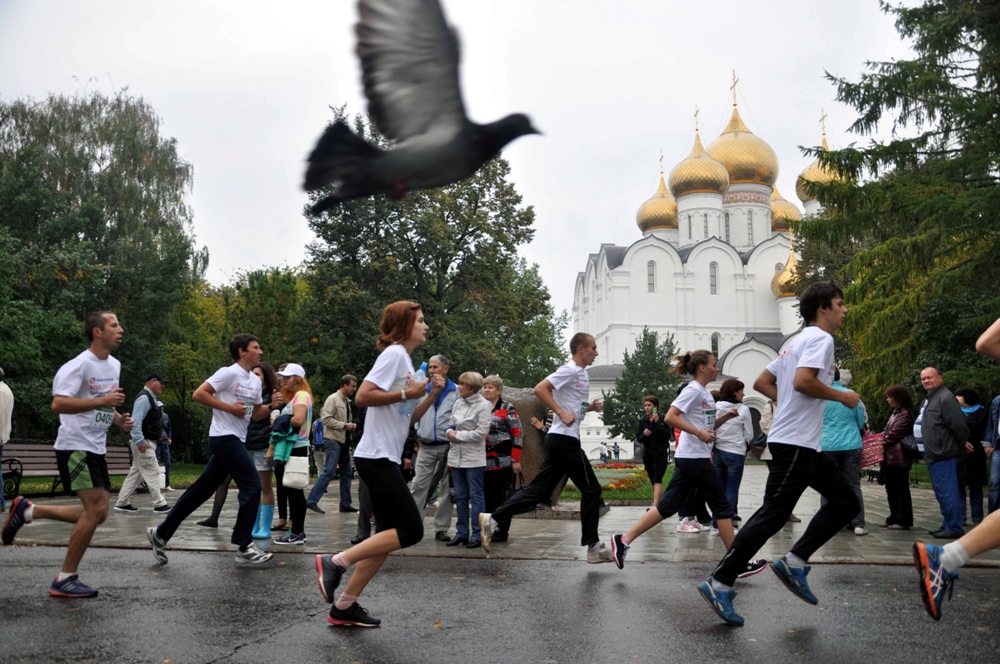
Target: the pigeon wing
pixel 409 61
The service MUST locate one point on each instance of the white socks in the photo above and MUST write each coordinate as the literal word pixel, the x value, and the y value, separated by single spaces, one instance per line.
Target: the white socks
pixel 954 556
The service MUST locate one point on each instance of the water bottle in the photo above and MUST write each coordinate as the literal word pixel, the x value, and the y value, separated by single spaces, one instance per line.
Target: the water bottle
pixel 407 407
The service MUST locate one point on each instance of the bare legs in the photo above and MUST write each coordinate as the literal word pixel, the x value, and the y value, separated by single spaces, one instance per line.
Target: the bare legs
pixel 87 517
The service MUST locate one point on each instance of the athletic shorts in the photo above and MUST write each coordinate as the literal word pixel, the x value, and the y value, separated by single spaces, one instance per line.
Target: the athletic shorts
pixel 80 470
pixel 260 460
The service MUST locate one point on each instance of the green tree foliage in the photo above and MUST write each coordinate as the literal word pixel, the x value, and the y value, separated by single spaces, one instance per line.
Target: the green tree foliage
pixel 93 215
pixel 915 242
pixel 647 371
pixel 453 250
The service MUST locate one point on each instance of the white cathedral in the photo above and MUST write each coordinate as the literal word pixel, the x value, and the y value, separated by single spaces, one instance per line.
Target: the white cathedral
pixel 713 268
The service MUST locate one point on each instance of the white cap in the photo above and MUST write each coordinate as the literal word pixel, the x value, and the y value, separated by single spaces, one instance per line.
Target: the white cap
pixel 292 369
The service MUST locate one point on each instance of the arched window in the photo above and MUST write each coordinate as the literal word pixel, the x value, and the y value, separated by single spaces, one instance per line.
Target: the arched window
pixel 706 225
pixel 715 344
pixel 750 227
pixel 651 276
pixel 728 237
pixel 690 234
pixel 713 278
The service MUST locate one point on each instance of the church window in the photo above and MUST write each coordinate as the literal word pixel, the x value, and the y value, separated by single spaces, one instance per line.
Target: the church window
pixel 750 227
pixel 651 276
pixel 715 344
pixel 706 225
pixel 713 278
pixel 728 236
pixel 690 234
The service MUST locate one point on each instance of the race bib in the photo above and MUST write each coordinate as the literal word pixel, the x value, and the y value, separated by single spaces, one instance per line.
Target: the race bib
pixel 710 418
pixel 103 419
pixel 248 410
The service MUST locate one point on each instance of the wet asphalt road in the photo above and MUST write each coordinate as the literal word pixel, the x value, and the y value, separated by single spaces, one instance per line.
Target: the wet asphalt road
pixel 203 608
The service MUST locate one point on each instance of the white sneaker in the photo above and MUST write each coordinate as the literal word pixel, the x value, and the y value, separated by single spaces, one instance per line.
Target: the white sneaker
pixel 681 525
pixel 252 555
pixel 859 531
pixel 601 555
pixel 485 531
pixel 689 527
pixel 715 531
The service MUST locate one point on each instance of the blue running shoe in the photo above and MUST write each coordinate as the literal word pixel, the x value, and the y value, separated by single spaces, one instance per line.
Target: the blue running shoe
pixel 71 587
pixel 15 519
pixel 794 579
pixel 721 602
pixel 936 580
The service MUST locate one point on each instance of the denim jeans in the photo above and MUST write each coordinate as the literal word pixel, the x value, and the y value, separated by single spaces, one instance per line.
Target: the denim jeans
pixel 995 481
pixel 944 480
pixel 849 464
pixel 163 454
pixel 468 484
pixel 729 466
pixel 332 449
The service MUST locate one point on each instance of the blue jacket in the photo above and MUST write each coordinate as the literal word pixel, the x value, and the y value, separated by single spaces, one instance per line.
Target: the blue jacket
pixel 841 425
pixel 432 429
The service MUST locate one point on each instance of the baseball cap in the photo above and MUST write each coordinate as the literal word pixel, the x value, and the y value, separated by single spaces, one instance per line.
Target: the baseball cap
pixel 155 376
pixel 292 369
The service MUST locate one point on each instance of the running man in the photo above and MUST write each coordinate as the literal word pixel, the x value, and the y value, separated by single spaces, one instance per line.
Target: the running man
pixel 85 393
pixel 565 393
pixel 799 381
pixel 234 395
pixel 937 565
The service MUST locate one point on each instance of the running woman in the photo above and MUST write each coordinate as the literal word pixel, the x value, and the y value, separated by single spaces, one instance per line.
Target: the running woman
pixel 799 381
pixel 386 391
pixel 693 412
pixel 937 565
pixel 85 393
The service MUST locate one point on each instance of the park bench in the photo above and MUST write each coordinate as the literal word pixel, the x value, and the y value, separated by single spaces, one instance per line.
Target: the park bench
pixel 37 458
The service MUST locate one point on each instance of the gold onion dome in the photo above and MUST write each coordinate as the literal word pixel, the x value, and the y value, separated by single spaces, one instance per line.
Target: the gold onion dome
pixel 660 211
pixel 782 212
pixel 781 284
pixel 698 173
pixel 746 157
pixel 814 173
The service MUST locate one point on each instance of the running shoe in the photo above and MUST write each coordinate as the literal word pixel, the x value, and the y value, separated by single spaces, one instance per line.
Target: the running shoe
pixel 936 580
pixel 251 555
pixel 485 531
pixel 71 587
pixel 601 555
pixel 15 519
pixel 289 538
pixel 128 508
pixel 353 616
pixel 618 550
pixel 755 566
pixel 159 545
pixel 794 579
pixel 328 576
pixel 162 509
pixel 721 602
pixel 689 527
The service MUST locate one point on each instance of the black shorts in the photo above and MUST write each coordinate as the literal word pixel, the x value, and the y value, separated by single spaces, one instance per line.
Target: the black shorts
pixel 391 502
pixel 655 460
pixel 80 470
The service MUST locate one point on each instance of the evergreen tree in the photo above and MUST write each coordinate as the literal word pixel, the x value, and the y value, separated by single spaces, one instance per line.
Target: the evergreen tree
pixel 647 371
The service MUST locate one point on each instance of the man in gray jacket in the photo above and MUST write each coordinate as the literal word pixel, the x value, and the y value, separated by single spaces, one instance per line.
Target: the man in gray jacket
pixel 433 416
pixel 944 432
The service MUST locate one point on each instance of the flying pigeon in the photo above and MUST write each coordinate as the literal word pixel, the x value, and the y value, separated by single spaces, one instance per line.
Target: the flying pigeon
pixel 409 60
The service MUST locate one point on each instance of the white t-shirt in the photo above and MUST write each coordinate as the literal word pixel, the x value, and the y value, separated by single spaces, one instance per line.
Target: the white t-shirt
pixel 572 391
pixel 698 409
pixel 386 426
pixel 86 377
pixel 232 384
pixel 732 436
pixel 799 418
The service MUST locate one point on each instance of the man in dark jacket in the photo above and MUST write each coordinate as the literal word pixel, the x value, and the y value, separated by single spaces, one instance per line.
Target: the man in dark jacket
pixel 990 443
pixel 944 431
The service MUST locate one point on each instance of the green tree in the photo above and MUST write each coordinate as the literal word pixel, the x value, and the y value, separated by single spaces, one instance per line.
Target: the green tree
pixel 93 215
pixel 647 371
pixel 453 250
pixel 914 227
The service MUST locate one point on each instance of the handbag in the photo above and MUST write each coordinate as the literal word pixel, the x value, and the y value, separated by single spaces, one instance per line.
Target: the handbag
pixel 516 483
pixel 296 474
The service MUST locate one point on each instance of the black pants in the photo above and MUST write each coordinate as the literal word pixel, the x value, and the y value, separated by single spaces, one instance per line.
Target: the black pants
pixel 563 456
pixel 897 492
pixel 495 482
pixel 390 499
pixel 229 457
pixel 296 497
pixel 694 476
pixel 792 470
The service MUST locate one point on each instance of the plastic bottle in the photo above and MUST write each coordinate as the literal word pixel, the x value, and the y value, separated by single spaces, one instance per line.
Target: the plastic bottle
pixel 410 405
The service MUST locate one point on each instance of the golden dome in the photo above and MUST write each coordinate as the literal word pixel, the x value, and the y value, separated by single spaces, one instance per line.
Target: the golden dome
pixel 782 212
pixel 698 173
pixel 746 157
pixel 660 211
pixel 781 284
pixel 814 173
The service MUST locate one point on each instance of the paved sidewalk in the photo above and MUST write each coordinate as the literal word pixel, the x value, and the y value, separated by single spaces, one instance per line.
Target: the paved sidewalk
pixel 542 538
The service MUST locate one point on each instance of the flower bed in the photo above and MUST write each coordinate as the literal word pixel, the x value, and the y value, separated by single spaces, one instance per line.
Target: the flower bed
pixel 616 465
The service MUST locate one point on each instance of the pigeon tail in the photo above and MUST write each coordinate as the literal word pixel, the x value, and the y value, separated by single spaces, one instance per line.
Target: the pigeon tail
pixel 339 156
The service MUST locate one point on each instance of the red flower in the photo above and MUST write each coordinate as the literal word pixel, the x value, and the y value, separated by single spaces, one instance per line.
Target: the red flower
pixel 502 413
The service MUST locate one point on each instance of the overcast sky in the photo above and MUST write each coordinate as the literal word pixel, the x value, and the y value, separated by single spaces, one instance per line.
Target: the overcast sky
pixel 245 87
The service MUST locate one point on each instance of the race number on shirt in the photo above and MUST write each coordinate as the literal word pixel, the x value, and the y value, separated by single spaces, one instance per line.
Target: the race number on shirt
pixel 103 419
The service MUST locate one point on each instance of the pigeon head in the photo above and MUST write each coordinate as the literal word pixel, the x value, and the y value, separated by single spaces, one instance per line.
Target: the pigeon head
pixel 492 137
